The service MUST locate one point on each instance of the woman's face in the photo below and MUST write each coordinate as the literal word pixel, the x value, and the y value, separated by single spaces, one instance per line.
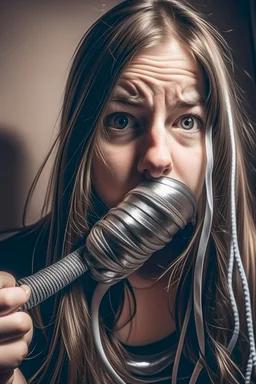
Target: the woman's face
pixel 155 124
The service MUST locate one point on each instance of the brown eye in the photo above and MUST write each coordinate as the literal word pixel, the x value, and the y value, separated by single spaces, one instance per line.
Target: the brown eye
pixel 120 121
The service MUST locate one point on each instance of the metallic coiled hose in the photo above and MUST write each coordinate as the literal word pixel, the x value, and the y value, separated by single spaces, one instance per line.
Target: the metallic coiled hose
pixel 120 243
pixel 143 223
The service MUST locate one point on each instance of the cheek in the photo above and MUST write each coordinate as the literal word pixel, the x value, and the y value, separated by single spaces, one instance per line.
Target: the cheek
pixel 197 172
pixel 114 163
pixel 191 168
pixel 112 173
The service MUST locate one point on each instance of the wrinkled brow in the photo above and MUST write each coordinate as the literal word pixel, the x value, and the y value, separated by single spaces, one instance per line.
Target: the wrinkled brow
pixel 140 101
pixel 134 100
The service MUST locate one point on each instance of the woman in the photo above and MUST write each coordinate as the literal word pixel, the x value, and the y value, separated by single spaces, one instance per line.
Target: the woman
pixel 149 87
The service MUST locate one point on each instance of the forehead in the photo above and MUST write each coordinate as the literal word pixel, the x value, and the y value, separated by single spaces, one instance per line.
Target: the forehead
pixel 168 69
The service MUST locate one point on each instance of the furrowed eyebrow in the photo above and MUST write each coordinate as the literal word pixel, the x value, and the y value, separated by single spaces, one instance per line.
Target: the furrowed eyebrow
pixel 135 101
pixel 190 104
pixel 138 101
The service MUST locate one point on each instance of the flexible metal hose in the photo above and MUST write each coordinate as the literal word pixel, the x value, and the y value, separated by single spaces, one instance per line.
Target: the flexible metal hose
pixel 123 240
pixel 119 244
pixel 52 279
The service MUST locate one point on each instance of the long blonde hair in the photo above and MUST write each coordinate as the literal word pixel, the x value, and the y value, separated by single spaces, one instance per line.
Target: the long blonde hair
pixel 101 56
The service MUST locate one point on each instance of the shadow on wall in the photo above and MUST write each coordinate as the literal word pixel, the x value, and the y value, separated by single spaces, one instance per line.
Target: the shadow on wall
pixel 12 179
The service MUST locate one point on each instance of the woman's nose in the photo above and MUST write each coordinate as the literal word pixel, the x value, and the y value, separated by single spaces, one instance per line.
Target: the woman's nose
pixel 156 159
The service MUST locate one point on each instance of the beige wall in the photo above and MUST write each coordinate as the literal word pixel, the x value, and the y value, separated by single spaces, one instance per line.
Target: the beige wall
pixel 37 39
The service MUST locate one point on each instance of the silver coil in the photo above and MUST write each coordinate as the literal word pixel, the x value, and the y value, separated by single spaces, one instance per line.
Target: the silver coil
pixel 143 223
pixel 120 243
